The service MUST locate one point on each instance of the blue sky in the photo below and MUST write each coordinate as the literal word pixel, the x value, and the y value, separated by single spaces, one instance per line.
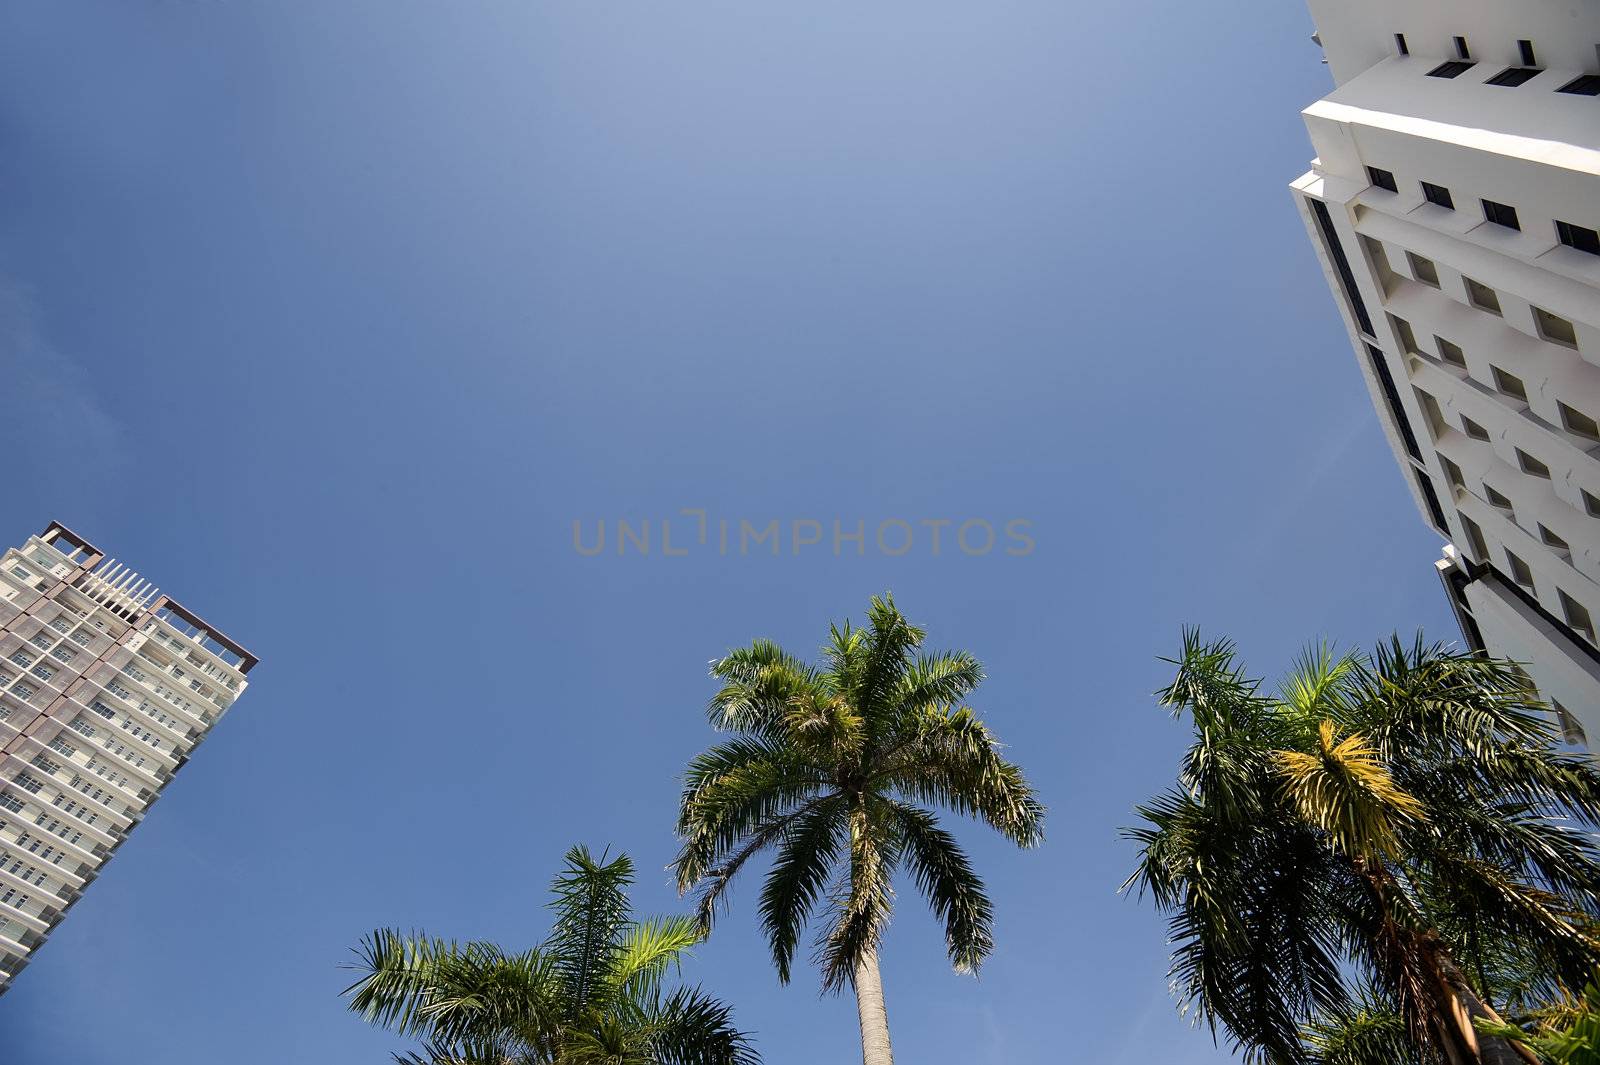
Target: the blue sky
pixel 332 318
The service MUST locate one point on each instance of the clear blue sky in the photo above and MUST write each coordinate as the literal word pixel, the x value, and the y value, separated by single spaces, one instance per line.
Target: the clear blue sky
pixel 332 317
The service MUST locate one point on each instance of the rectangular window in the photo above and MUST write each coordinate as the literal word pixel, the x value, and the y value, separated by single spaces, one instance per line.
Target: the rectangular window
pixel 1400 44
pixel 1578 422
pixel 1525 50
pixel 1577 616
pixel 1501 214
pixel 1520 571
pixel 1498 501
pixel 1510 384
pixel 1435 511
pixel 1382 178
pixel 1402 329
pixel 1482 296
pixel 1531 465
pixel 1583 85
pixel 1380 369
pixel 1453 473
pixel 1580 237
pixel 1451 69
pixel 1451 353
pixel 1591 503
pixel 1423 269
pixel 1571 730
pixel 1438 194
pixel 1552 540
pixel 1554 328
pixel 1511 77
pixel 1480 549
pixel 1335 250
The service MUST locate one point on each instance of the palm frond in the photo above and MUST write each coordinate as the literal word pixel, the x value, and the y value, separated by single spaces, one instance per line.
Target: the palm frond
pixel 953 888
pixel 810 846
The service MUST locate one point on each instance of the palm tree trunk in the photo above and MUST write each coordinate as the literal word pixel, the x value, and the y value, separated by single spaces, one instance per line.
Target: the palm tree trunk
pixel 870 1008
pixel 1462 1005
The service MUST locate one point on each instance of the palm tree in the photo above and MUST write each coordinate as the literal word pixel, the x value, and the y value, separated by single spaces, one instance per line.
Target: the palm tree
pixel 1384 836
pixel 593 992
pixel 832 769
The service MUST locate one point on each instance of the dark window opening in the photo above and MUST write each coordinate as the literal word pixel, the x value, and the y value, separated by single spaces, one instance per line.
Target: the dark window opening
pixel 1461 48
pixel 1400 44
pixel 1380 367
pixel 1514 76
pixel 1435 511
pixel 1438 194
pixel 1525 49
pixel 1579 237
pixel 1452 69
pixel 1501 214
pixel 1382 178
pixel 1330 239
pixel 1584 85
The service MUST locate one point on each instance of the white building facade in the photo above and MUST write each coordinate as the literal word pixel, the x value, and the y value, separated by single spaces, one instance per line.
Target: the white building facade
pixel 106 688
pixel 1454 203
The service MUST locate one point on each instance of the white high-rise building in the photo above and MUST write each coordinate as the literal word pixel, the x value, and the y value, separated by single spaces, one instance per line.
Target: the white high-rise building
pixel 106 688
pixel 1455 205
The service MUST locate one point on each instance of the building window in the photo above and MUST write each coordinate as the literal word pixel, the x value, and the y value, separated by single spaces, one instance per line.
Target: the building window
pixel 1577 615
pixel 1400 44
pixel 1520 571
pixel 1431 414
pixel 1554 328
pixel 1552 540
pixel 1501 214
pixel 1473 429
pixel 1435 511
pixel 1438 194
pixel 1423 269
pixel 1571 730
pixel 1510 384
pixel 1402 330
pixel 1482 296
pixel 1498 501
pixel 1578 422
pixel 1461 48
pixel 1514 76
pixel 1335 250
pixel 1480 549
pixel 1380 369
pixel 23 659
pixel 1580 237
pixel 1584 85
pixel 1525 50
pixel 1382 178
pixel 1450 353
pixel 1451 69
pixel 1591 503
pixel 1452 473
pixel 1532 465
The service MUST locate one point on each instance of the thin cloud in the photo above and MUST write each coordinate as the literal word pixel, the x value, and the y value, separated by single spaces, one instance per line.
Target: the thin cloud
pixel 52 414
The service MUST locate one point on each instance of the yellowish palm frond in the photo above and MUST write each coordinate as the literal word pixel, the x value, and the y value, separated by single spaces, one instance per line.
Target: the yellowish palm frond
pixel 1344 789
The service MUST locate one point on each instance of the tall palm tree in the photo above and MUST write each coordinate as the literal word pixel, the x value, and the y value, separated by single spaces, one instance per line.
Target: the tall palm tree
pixel 832 769
pixel 1385 835
pixel 593 993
